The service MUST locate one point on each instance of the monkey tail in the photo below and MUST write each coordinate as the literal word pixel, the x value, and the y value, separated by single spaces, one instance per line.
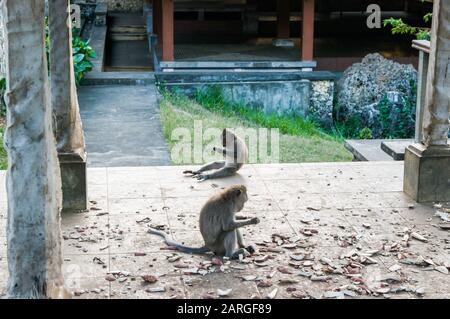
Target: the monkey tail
pixel 182 248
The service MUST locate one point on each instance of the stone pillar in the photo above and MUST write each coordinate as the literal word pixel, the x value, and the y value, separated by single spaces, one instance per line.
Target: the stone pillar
pixel 167 30
pixel 424 53
pixel 427 164
pixel 308 30
pixel 68 129
pixel 33 178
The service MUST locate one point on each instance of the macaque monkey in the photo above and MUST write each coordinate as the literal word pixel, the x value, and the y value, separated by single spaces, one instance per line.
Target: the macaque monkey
pixel 219 227
pixel 235 153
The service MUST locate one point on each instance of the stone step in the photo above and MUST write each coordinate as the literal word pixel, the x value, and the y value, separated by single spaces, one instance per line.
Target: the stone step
pixel 181 66
pixel 119 78
pixel 367 150
pixel 128 36
pixel 396 148
pixel 127 29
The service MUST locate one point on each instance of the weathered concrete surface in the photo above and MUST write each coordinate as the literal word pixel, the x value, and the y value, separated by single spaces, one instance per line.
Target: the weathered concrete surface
pixel 271 97
pixel 122 126
pixel 367 150
pixel 437 98
pixel 67 126
pixel 358 209
pixel 2 49
pixel 34 181
pixel 69 133
pixel 396 148
pixel 427 164
pixel 427 173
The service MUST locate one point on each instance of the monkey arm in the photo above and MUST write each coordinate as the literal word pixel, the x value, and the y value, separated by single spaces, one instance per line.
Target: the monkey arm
pixel 224 151
pixel 233 224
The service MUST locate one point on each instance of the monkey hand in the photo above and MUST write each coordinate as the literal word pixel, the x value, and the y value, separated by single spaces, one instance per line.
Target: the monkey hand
pixel 201 177
pixel 255 220
pixel 251 249
pixel 191 172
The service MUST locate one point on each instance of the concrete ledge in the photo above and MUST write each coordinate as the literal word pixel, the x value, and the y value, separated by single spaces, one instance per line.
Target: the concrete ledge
pixel 100 14
pixel 427 173
pixel 119 78
pixel 74 181
pixel 97 42
pixel 367 150
pixel 187 77
pixel 174 65
pixel 396 148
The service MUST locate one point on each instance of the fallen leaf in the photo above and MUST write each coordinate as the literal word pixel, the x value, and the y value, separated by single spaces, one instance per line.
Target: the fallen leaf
pixel 418 237
pixel 442 269
pixel 224 292
pixel 265 283
pixel 284 270
pixel 272 294
pixel 149 279
pixel 394 268
pixel 156 289
pixel 249 278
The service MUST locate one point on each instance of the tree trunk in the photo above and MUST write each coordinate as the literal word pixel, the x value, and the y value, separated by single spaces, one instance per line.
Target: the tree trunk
pixel 68 130
pixel 33 177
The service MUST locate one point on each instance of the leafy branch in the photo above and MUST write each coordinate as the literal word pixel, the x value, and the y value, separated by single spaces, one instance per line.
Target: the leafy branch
pixel 400 27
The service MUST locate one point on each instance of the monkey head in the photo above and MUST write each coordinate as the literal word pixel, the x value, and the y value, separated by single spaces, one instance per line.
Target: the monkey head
pixel 237 194
pixel 227 138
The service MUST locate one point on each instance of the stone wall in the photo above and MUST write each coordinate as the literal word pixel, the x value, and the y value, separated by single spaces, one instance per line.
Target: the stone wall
pixel 124 5
pixel 307 94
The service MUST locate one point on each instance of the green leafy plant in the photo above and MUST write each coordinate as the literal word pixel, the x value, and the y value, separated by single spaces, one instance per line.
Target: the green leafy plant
pixel 397 122
pixel 82 54
pixel 81 50
pixel 400 27
pixel 366 134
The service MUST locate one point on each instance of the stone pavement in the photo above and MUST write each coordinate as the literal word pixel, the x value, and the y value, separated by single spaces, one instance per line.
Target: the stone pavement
pixel 122 126
pixel 329 230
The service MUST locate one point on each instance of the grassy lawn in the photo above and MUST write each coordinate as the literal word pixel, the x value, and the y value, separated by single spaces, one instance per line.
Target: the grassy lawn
pixel 3 163
pixel 300 141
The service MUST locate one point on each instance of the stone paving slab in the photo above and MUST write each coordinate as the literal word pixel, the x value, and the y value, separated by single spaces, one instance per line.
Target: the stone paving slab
pixel 122 126
pixel 328 230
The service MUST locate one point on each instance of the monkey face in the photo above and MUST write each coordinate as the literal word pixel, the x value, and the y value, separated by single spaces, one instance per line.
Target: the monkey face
pixel 241 198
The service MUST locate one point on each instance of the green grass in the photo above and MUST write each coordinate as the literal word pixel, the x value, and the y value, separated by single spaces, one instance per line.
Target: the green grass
pixel 3 159
pixel 300 140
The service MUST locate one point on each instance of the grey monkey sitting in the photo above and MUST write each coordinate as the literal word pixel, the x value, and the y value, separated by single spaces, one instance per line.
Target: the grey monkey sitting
pixel 235 154
pixel 218 225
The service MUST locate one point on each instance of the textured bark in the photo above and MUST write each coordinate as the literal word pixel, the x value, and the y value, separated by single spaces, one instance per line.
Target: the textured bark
pixel 68 129
pixel 33 177
pixel 437 99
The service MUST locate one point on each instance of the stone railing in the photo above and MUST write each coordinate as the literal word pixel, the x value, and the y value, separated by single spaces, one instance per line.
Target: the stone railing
pixel 424 53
